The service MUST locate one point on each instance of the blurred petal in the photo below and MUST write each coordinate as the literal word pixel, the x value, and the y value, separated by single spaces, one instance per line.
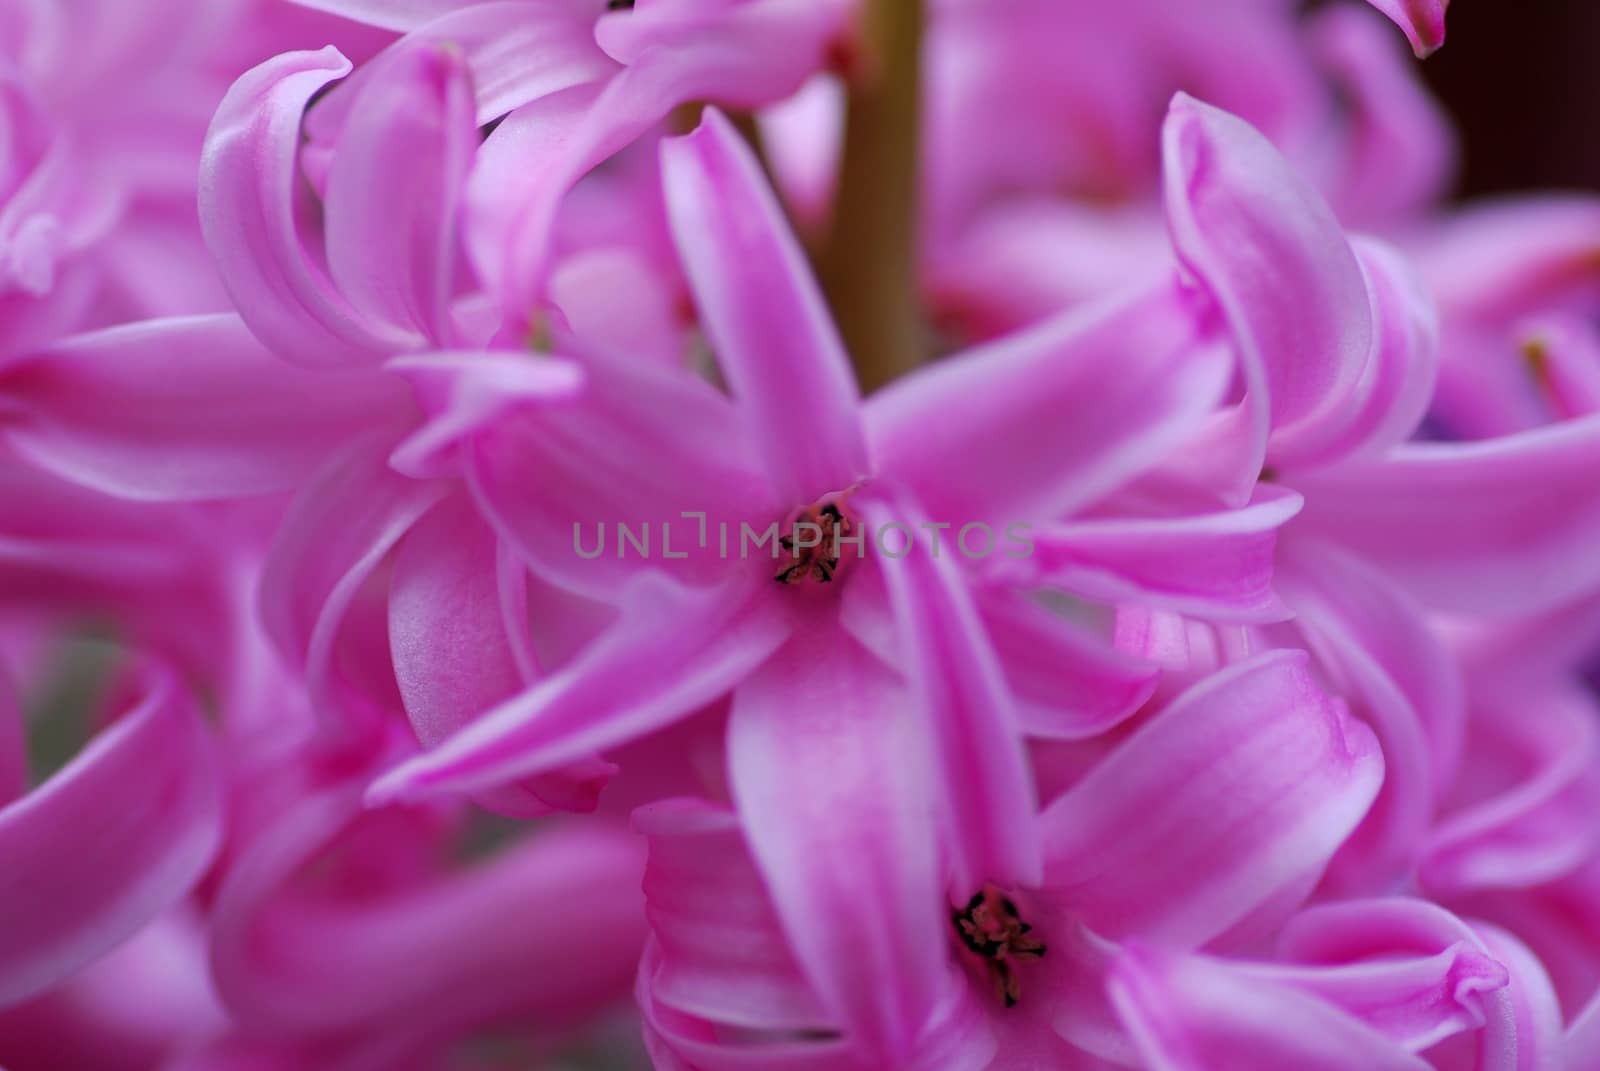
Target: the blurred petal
pixel 764 314
pixel 112 840
pixel 1502 527
pixel 399 15
pixel 252 196
pixel 1039 425
pixel 1543 742
pixel 826 768
pixel 292 959
pixel 1400 151
pixel 183 409
pixel 671 651
pixel 1244 785
pixel 722 952
pixel 1422 21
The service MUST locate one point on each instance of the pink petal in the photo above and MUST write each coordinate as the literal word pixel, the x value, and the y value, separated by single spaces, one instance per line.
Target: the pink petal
pixel 1422 21
pixel 401 15
pixel 1400 156
pixel 1544 740
pixel 764 313
pixel 1381 930
pixel 1214 566
pixel 335 535
pixel 824 762
pixel 672 651
pixel 291 957
pixel 1118 386
pixel 1188 1013
pixel 517 50
pixel 467 392
pixel 741 56
pixel 1384 656
pixel 113 839
pixel 1068 685
pixel 1244 785
pixel 1405 365
pixel 453 656
pixel 1273 257
pixel 722 952
pixel 1501 527
pixel 251 199
pixel 183 409
pixel 1582 1047
pixel 960 693
pixel 645 446
pixel 393 190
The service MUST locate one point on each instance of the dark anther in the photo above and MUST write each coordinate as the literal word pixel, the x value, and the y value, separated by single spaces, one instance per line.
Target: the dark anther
pixel 619 5
pixel 991 928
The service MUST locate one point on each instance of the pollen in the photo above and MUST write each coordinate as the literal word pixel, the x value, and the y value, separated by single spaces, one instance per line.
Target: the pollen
pixel 991 928
pixel 813 541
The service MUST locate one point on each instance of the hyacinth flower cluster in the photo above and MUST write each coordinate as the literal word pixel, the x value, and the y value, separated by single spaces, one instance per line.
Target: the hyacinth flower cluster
pixel 786 535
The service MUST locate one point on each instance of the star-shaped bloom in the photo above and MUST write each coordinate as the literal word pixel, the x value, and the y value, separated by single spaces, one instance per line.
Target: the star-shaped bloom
pixel 831 753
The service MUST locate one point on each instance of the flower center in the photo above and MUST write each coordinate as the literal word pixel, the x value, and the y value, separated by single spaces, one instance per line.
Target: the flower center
pixel 814 539
pixel 991 929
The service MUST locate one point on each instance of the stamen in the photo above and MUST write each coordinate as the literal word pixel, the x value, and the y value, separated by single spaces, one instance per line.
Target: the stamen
pixel 991 928
pixel 619 5
pixel 814 537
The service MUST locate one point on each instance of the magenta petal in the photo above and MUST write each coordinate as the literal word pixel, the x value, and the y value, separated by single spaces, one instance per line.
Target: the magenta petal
pixel 1068 685
pixel 961 696
pixel 464 393
pixel 723 954
pixel 824 764
pixel 1244 786
pixel 1422 21
pixel 1546 739
pixel 399 15
pixel 1215 566
pixel 672 651
pixel 183 409
pixel 112 840
pixel 1385 658
pixel 1582 1046
pixel 1503 526
pixel 1273 257
pixel 1067 411
pixel 644 446
pixel 251 193
pixel 517 50
pixel 1189 1013
pixel 336 533
pixel 292 959
pixel 764 313
pixel 453 656
pixel 394 187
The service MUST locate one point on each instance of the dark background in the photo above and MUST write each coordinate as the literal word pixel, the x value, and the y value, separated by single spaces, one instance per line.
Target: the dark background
pixel 1522 78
